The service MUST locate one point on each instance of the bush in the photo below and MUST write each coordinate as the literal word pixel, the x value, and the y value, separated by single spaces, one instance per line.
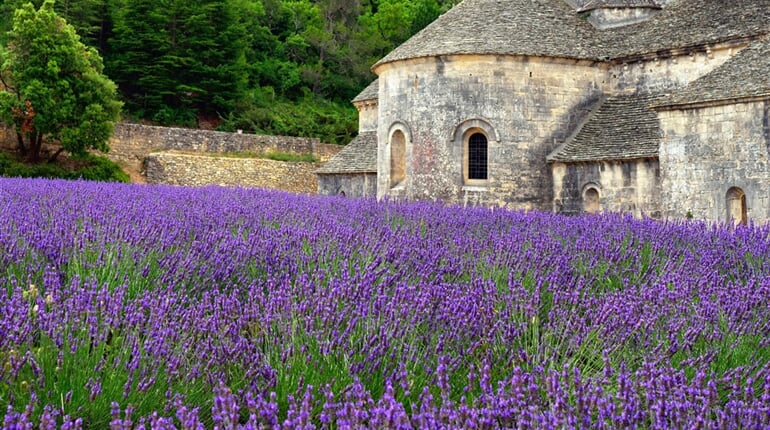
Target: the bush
pixel 90 167
pixel 263 113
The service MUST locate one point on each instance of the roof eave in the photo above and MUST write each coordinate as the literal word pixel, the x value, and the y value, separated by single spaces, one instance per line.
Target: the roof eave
pixel 603 159
pixel 706 103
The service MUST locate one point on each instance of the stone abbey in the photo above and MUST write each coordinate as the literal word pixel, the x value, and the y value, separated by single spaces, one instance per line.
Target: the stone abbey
pixel 656 108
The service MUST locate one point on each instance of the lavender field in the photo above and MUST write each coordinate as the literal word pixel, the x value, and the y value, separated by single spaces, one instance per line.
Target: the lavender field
pixel 125 306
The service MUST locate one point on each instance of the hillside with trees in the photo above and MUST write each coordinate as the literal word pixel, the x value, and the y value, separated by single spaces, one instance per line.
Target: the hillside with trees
pixel 264 66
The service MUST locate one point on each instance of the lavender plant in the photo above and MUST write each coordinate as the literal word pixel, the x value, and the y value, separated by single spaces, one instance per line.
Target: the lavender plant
pixel 126 306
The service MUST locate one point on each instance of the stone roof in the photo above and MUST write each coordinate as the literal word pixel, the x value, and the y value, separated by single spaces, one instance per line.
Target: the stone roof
pixel 553 28
pixel 371 92
pixel 621 128
pixel 746 75
pixel 598 4
pixel 358 156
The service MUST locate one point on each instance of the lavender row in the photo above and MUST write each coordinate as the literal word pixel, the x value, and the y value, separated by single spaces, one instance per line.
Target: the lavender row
pixel 164 307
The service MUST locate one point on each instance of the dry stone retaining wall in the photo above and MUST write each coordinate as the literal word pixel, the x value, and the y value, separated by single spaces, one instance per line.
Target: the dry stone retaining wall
pixel 155 150
pixel 194 170
pixel 131 143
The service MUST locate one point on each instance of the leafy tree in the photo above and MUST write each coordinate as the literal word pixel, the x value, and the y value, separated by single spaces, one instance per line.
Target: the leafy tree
pixel 177 60
pixel 89 17
pixel 52 89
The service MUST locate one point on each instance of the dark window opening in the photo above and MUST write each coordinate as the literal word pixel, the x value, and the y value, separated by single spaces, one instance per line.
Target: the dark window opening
pixel 477 156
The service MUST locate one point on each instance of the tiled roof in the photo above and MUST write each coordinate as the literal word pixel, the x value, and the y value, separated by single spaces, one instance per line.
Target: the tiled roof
pixel 534 27
pixel 554 28
pixel 745 75
pixel 621 128
pixel 598 4
pixel 371 92
pixel 358 156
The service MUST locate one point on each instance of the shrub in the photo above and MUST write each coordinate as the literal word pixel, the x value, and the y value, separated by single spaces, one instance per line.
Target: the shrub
pixel 89 167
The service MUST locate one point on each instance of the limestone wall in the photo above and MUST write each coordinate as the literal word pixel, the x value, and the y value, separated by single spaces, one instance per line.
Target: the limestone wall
pixel 193 170
pixel 669 72
pixel 527 106
pixel 367 116
pixel 707 151
pixel 351 185
pixel 629 187
pixel 131 143
pixel 152 150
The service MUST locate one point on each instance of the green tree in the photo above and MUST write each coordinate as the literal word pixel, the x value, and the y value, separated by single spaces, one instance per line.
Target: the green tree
pixel 89 17
pixel 177 60
pixel 52 89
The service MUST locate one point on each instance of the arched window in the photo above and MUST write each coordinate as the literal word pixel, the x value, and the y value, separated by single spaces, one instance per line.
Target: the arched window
pixel 736 206
pixel 474 140
pixel 591 201
pixel 397 158
pixel 477 156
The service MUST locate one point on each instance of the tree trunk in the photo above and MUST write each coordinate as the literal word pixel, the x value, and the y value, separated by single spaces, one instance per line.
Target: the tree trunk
pixel 55 155
pixel 35 142
pixel 22 147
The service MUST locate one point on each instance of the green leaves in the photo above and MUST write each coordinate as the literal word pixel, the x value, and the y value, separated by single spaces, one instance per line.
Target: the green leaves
pixel 55 91
pixel 176 57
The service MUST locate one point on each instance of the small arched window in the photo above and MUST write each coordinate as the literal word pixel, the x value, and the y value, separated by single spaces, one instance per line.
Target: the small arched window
pixel 591 201
pixel 397 158
pixel 477 156
pixel 736 206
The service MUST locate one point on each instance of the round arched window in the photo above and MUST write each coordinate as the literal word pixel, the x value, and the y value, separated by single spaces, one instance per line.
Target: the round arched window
pixel 477 156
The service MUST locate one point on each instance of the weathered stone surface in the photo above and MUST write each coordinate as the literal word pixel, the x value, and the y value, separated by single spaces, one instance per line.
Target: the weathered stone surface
pixel 535 76
pixel 707 151
pixel 525 106
pixel 350 185
pixel 151 149
pixel 193 170
pixel 630 187
pixel 130 143
pixel 553 28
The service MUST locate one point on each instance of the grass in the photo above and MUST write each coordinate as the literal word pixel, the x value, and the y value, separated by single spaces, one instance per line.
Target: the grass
pixel 288 157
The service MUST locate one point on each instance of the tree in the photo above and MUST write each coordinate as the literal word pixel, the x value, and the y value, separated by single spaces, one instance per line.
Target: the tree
pixel 89 17
pixel 177 60
pixel 52 89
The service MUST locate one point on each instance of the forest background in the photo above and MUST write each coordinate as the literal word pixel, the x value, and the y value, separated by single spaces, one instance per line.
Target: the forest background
pixel 284 67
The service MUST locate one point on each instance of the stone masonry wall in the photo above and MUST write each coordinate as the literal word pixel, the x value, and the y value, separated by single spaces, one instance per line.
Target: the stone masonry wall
pixel 194 170
pixel 528 105
pixel 350 185
pixel 152 149
pixel 666 74
pixel 707 151
pixel 630 187
pixel 131 143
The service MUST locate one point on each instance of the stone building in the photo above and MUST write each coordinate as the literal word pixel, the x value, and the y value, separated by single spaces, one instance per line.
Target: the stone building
pixel 656 108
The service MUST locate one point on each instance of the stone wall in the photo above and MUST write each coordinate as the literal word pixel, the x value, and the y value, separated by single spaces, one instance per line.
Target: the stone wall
pixel 705 152
pixel 668 72
pixel 194 170
pixel 526 106
pixel 630 187
pixel 351 185
pixel 131 143
pixel 156 151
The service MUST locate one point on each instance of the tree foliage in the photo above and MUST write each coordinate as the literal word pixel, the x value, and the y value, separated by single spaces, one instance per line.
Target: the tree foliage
pixel 237 62
pixel 174 60
pixel 52 87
